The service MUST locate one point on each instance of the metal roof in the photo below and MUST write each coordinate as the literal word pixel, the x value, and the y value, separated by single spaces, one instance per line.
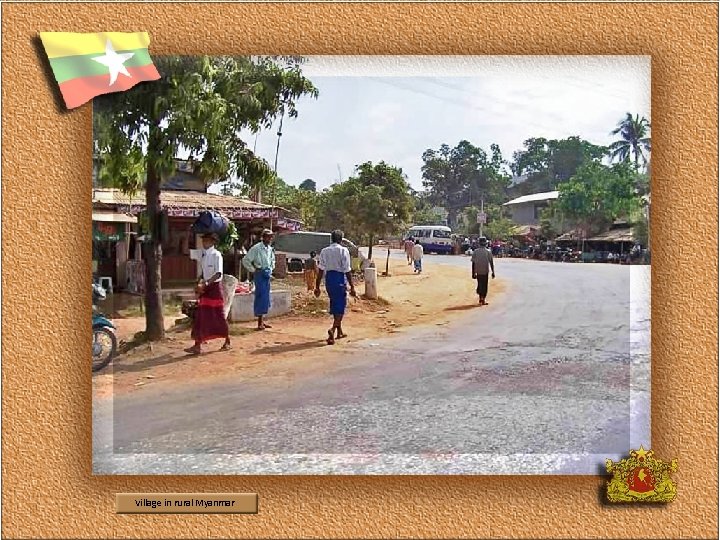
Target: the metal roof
pixel 185 199
pixel 549 195
pixel 113 217
pixel 614 235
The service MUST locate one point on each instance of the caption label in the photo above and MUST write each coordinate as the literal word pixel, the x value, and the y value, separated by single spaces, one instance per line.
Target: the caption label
pixel 186 503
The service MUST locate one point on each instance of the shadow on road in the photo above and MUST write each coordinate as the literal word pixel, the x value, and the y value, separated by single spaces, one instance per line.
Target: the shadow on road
pixel 149 363
pixel 292 348
pixel 463 308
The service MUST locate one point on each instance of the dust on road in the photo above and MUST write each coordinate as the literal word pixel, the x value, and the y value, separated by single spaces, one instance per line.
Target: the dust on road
pixel 552 377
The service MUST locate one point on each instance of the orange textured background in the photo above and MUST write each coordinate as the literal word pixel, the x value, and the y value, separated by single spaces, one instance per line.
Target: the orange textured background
pixel 48 490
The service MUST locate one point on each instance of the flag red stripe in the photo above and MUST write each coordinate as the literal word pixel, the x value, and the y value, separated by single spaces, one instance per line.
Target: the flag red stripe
pixel 75 92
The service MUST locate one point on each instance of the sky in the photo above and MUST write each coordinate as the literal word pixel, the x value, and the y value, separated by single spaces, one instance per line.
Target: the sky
pixel 395 108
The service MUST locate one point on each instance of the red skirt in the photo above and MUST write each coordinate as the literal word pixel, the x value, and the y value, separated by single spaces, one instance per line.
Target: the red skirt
pixel 210 322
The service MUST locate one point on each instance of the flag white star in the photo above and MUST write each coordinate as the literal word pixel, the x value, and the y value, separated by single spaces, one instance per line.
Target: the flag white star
pixel 114 61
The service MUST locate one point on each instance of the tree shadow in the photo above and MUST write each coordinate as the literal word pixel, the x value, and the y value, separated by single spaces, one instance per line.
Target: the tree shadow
pixel 49 75
pixel 149 363
pixel 279 349
pixel 467 307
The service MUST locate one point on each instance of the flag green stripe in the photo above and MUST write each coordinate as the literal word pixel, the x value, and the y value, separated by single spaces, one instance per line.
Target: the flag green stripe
pixel 72 67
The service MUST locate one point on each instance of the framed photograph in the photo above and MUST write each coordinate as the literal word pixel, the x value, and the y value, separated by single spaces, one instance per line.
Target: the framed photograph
pixel 420 262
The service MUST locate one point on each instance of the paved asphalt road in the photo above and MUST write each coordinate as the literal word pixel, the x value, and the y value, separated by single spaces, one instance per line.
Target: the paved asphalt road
pixel 553 377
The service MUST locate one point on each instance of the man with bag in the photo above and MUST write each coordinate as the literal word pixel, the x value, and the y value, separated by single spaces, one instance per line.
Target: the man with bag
pixel 210 321
pixel 260 261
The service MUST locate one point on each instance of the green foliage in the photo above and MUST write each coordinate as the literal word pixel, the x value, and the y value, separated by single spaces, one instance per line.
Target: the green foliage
pixel 375 203
pixel 199 106
pixel 598 194
pixel 641 232
pixel 425 216
pixel 469 221
pixel 459 177
pixel 423 213
pixel 227 241
pixel 634 140
pixel 499 229
pixel 301 202
pixel 548 227
pixel 308 185
pixel 642 184
pixel 549 163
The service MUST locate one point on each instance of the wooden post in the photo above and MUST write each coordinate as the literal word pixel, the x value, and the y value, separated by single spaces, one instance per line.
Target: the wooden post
pixel 370 275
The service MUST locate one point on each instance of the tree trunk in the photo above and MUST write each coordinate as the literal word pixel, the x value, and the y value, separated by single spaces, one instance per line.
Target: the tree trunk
pixel 370 246
pixel 154 322
pixel 452 218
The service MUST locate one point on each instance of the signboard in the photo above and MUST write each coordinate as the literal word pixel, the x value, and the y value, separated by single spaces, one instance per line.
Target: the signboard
pixel 108 231
pixel 482 217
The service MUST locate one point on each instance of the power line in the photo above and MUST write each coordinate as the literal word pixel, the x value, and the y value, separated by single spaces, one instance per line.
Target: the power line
pixel 465 106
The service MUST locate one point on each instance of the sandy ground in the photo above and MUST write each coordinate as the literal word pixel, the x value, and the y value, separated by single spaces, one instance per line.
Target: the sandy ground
pixel 552 378
pixel 441 294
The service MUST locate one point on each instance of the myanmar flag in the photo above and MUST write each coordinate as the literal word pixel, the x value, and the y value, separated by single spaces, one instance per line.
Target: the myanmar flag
pixel 88 65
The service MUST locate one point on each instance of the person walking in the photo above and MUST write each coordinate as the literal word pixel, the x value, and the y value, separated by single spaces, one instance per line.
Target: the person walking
pixel 335 266
pixel 311 271
pixel 210 321
pixel 482 264
pixel 417 254
pixel 260 261
pixel 409 245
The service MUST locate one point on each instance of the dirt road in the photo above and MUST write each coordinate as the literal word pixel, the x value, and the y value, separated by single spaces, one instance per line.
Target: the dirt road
pixel 407 300
pixel 552 377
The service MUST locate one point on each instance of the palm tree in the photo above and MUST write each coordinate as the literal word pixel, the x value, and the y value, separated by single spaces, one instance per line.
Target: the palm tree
pixel 634 139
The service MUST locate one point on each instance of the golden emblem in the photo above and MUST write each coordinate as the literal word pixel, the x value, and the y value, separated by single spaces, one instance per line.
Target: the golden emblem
pixel 641 478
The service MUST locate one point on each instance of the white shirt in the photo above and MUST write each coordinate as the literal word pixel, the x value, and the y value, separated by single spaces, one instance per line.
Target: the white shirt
pixel 417 252
pixel 335 258
pixel 212 263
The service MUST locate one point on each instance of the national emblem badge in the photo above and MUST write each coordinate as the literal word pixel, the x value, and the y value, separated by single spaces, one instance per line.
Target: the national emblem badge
pixel 641 478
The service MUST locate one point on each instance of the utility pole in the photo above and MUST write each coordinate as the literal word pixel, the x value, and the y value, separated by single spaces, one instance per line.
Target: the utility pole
pixel 482 212
pixel 277 151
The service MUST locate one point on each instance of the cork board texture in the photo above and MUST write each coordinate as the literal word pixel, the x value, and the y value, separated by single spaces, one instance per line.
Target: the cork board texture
pixel 48 490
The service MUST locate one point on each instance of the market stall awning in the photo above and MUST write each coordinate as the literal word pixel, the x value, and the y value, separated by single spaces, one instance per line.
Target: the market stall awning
pixel 570 236
pixel 525 230
pixel 614 235
pixel 113 217
pixel 189 204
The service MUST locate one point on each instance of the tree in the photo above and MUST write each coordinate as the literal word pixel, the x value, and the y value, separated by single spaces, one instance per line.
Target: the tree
pixel 199 106
pixel 302 203
pixel 641 232
pixel 549 163
pixel 309 185
pixel 469 218
pixel 374 203
pixel 459 177
pixel 424 213
pixel 597 195
pixel 550 227
pixel 499 229
pixel 634 140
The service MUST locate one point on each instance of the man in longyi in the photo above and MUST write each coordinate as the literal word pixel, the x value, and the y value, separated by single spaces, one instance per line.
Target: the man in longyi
pixel 335 266
pixel 210 321
pixel 260 261
pixel 409 245
pixel 482 265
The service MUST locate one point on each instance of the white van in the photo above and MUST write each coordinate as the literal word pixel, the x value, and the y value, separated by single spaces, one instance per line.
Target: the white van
pixel 433 238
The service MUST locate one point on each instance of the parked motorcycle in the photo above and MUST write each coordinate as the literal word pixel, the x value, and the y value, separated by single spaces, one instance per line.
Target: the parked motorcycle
pixel 104 346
